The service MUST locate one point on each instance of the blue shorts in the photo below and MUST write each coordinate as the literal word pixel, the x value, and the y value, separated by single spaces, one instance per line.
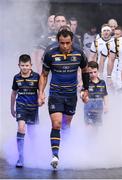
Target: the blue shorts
pixel 93 111
pixel 66 105
pixel 30 116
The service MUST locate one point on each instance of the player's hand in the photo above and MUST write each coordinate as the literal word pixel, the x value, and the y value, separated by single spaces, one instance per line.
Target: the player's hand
pixel 13 112
pixel 109 82
pixel 80 84
pixel 105 109
pixel 41 99
pixel 84 96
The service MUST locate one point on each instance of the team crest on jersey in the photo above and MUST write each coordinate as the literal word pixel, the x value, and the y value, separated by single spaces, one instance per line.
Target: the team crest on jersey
pixel 18 115
pixel 53 38
pixel 52 106
pixel 73 58
pixel 101 89
pixel 57 58
pixel 91 88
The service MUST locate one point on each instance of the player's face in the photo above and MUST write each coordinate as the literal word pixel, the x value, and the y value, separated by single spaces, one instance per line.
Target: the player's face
pixel 65 44
pixel 106 34
pixel 113 26
pixel 118 33
pixel 93 73
pixel 73 26
pixel 51 22
pixel 60 21
pixel 25 67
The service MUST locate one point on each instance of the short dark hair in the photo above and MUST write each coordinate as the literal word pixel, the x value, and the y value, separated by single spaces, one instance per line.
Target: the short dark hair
pixel 65 27
pixel 73 19
pixel 64 33
pixel 24 58
pixel 118 28
pixel 59 14
pixel 93 64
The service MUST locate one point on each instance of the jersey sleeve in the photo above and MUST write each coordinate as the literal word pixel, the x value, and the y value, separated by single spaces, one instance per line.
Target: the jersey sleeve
pixel 14 85
pixel 93 47
pixel 84 61
pixel 104 51
pixel 113 47
pixel 47 62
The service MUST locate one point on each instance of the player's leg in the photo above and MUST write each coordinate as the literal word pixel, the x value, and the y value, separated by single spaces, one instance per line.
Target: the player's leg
pixel 66 121
pixel 20 142
pixel 56 119
pixel 56 109
pixel 32 119
pixel 69 111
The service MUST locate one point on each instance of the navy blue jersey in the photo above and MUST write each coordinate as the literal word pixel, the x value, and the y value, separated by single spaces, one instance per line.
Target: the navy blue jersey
pixel 97 90
pixel 47 40
pixel 64 69
pixel 93 110
pixel 26 89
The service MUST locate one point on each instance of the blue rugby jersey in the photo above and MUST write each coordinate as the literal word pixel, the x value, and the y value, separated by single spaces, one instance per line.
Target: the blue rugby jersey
pixel 64 70
pixel 27 90
pixel 94 108
pixel 97 90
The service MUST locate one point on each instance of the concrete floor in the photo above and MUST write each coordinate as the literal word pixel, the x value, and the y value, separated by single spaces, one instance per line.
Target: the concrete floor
pixel 10 172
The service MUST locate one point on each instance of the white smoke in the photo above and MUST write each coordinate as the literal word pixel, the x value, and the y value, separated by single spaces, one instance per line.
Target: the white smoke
pixel 22 22
pixel 81 147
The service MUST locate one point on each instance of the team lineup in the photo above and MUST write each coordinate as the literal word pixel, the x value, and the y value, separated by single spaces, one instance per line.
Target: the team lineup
pixel 71 68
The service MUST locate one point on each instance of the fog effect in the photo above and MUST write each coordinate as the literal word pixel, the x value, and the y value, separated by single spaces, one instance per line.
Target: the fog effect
pixel 81 146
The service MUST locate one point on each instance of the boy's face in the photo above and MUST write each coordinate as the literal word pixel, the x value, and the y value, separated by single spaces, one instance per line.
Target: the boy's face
pixel 118 33
pixel 93 73
pixel 25 67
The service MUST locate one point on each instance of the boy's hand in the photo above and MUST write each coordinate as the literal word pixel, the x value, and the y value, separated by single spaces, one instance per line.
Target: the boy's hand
pixel 84 96
pixel 41 99
pixel 105 109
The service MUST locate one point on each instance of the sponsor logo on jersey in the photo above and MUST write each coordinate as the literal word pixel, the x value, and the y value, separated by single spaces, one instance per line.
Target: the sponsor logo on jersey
pixel 57 58
pixel 66 67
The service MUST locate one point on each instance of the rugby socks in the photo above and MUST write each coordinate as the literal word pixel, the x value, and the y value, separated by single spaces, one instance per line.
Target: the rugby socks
pixel 55 141
pixel 20 144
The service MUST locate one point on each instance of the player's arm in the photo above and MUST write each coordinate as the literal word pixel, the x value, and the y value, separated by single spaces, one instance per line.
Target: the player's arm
pixel 84 76
pixel 13 100
pixel 42 84
pixel 85 81
pixel 44 77
pixel 110 64
pixel 93 52
pixel 103 55
pixel 92 56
